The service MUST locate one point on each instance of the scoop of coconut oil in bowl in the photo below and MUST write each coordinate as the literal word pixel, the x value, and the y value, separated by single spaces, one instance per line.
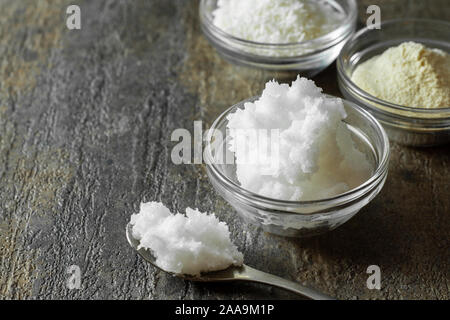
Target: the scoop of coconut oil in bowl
pixel 298 217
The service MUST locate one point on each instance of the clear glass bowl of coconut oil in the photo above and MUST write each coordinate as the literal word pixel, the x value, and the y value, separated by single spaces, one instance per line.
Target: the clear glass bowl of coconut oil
pixel 307 57
pixel 404 124
pixel 299 218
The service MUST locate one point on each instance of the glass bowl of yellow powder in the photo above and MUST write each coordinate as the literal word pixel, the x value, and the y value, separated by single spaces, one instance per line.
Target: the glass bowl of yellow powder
pixel 401 74
pixel 301 35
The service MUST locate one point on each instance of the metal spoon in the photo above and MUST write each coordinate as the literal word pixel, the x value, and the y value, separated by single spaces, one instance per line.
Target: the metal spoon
pixel 243 273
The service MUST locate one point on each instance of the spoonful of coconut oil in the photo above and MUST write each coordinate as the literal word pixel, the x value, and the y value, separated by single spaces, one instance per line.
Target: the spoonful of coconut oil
pixel 197 247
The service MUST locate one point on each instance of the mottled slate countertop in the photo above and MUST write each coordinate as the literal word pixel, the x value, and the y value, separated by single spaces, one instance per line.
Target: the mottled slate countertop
pixel 85 124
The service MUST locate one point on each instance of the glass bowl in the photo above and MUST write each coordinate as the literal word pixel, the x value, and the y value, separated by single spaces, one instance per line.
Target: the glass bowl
pixel 307 57
pixel 299 218
pixel 405 125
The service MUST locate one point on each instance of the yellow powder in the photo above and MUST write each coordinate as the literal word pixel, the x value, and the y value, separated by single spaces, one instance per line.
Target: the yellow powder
pixel 409 75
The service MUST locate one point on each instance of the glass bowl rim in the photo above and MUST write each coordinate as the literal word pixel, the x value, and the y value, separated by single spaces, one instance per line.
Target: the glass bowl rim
pixel 348 196
pixel 364 94
pixel 326 38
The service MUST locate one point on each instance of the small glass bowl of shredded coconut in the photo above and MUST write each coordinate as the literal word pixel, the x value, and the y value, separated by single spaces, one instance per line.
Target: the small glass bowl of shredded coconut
pixel 295 161
pixel 302 35
pixel 400 74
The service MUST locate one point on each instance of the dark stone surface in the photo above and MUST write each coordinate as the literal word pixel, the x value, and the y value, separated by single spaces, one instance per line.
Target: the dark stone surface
pixel 85 124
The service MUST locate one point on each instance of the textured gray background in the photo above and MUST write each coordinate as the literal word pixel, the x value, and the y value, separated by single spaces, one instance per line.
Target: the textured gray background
pixel 85 123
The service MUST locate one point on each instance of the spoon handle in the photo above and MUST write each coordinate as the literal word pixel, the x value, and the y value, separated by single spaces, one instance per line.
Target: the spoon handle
pixel 254 275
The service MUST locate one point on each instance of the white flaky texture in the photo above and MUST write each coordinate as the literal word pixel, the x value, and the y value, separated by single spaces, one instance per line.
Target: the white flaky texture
pixel 276 21
pixel 315 158
pixel 410 75
pixel 184 244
